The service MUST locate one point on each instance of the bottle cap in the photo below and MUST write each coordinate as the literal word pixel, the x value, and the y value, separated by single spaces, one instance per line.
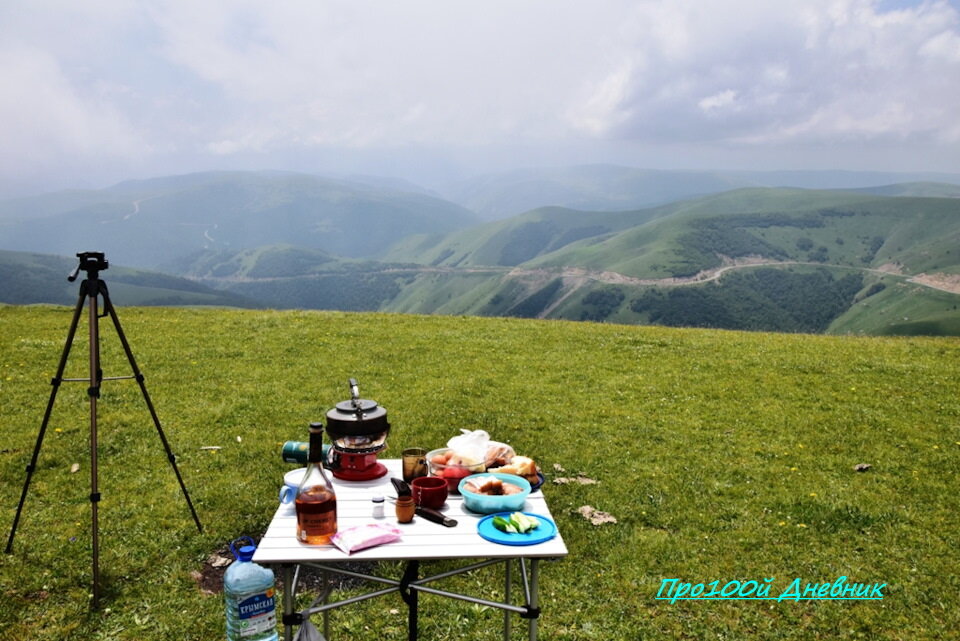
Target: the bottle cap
pixel 377 499
pixel 243 552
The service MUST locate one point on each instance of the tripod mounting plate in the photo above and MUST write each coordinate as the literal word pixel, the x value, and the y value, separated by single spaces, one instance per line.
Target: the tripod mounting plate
pixel 90 262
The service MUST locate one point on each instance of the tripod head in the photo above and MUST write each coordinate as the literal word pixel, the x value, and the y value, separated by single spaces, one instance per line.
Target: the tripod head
pixel 90 262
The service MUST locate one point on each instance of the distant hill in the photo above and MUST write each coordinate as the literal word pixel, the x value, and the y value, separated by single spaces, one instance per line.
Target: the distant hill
pixel 836 227
pixel 39 278
pixel 783 259
pixel 589 187
pixel 517 239
pixel 774 259
pixel 617 188
pixel 156 222
pixel 923 189
pixel 878 259
pixel 285 276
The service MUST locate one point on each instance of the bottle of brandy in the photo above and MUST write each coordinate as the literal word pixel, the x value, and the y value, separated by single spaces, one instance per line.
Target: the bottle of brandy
pixel 316 501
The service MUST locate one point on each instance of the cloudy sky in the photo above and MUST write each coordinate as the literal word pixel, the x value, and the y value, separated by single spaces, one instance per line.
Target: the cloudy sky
pixel 102 90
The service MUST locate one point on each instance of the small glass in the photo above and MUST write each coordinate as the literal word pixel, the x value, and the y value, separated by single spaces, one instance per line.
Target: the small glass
pixel 414 463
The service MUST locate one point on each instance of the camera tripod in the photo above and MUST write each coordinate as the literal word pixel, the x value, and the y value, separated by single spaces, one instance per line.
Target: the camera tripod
pixel 90 289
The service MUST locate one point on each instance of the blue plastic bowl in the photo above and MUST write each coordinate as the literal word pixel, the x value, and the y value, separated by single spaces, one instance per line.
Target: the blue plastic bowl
pixel 485 504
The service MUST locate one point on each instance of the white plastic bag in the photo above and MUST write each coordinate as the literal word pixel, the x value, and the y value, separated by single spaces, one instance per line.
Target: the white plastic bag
pixel 471 445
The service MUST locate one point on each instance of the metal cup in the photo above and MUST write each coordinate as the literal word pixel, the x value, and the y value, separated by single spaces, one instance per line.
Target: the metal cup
pixel 414 463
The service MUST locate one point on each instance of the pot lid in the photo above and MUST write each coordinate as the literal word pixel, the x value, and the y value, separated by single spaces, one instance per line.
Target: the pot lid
pixel 363 405
pixel 357 416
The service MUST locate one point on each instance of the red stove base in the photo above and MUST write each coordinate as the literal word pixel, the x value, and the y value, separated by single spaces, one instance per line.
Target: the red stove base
pixel 367 474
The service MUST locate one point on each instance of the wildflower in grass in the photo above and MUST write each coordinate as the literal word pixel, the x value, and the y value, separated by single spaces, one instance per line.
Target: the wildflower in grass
pixel 801 525
pixel 813 493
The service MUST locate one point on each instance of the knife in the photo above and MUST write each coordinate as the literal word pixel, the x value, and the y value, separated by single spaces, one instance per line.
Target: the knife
pixel 436 517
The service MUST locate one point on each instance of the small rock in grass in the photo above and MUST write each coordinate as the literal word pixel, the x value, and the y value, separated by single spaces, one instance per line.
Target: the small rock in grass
pixel 582 480
pixel 862 467
pixel 595 516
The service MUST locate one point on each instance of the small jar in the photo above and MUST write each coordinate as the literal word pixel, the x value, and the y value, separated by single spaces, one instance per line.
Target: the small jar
pixel 377 507
pixel 405 509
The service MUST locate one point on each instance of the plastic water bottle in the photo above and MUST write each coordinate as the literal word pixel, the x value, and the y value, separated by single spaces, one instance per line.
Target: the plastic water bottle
pixel 248 590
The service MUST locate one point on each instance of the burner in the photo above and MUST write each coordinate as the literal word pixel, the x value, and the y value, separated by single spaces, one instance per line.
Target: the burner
pixel 358 428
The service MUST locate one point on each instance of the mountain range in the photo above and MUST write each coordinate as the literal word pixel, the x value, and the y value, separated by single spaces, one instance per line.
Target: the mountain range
pixel 595 243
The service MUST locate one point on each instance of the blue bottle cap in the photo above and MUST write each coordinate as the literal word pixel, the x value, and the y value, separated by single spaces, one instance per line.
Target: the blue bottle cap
pixel 245 552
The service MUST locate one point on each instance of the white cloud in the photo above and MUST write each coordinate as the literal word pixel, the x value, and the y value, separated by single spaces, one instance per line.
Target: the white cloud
pixel 43 113
pixel 759 72
pixel 125 79
pixel 718 101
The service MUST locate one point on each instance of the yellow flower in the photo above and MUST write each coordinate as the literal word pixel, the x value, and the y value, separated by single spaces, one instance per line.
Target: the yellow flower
pixel 801 525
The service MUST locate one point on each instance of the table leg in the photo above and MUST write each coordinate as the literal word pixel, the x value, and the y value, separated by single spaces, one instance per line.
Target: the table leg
pixel 327 587
pixel 410 597
pixel 534 597
pixel 507 588
pixel 288 594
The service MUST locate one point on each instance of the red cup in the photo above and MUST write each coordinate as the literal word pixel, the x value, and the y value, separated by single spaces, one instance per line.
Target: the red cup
pixel 429 491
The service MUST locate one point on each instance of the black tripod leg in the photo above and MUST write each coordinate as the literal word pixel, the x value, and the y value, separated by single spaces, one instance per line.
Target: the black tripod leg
pixel 108 307
pixel 55 382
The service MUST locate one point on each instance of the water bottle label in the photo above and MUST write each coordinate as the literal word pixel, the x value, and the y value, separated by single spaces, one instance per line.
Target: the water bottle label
pixel 257 614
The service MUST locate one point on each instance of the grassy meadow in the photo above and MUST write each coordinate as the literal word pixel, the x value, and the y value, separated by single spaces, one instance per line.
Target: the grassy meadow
pixel 722 455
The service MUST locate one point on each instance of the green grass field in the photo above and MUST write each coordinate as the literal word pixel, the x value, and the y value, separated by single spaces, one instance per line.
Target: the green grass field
pixel 723 456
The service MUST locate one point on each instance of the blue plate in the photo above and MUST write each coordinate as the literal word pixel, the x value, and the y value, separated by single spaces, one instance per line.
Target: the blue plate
pixel 546 531
pixel 540 481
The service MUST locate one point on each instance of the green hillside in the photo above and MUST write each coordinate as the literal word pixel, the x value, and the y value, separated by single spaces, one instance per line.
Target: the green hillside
pixel 156 223
pixel 518 239
pixel 839 228
pixel 923 189
pixel 798 260
pixel 792 260
pixel 764 259
pixel 37 278
pixel 284 276
pixel 723 456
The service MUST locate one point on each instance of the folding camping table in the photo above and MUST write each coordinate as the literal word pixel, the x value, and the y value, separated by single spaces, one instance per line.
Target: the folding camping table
pixel 421 541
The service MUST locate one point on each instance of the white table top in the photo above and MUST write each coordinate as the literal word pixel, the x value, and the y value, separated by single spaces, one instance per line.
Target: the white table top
pixel 421 539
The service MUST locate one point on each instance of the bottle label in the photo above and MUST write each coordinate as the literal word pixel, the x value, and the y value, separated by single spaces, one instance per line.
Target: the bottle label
pixel 257 614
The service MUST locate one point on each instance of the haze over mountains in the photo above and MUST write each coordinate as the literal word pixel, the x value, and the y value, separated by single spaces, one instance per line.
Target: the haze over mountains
pixel 612 187
pixel 726 249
